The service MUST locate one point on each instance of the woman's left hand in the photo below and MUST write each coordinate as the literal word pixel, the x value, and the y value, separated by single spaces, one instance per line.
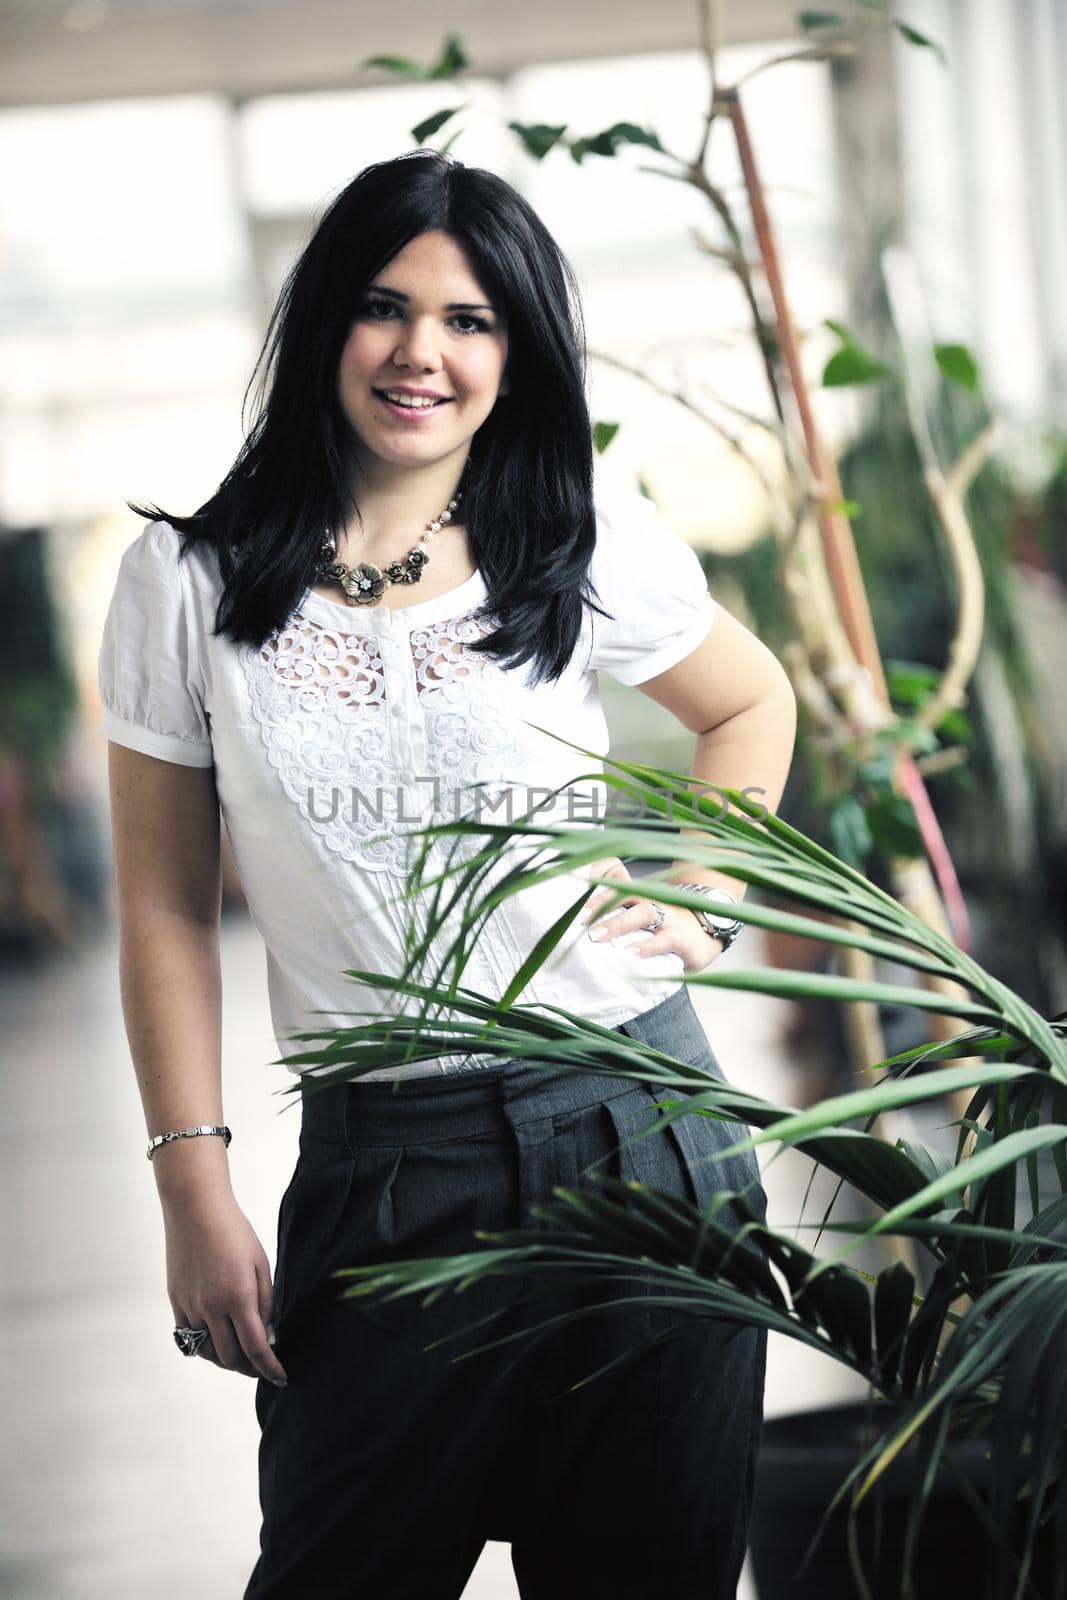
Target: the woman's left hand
pixel 679 933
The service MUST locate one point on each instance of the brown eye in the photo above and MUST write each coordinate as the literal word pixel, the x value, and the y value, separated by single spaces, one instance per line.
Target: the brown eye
pixel 478 324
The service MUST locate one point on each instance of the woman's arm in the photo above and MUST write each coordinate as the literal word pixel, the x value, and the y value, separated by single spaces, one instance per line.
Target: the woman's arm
pixel 734 694
pixel 165 829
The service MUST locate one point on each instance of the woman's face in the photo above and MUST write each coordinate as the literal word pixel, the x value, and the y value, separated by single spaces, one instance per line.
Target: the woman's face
pixel 425 330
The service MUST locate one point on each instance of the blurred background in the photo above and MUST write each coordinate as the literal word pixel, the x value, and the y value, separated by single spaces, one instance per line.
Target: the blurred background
pixel 162 162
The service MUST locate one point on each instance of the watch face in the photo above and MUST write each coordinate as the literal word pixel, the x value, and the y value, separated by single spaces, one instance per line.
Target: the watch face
pixel 718 924
pixel 722 895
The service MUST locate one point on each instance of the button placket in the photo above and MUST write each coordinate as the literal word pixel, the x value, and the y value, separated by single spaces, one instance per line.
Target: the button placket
pixel 406 734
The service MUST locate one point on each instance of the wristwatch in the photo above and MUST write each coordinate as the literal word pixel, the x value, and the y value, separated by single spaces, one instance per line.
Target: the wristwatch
pixel 720 927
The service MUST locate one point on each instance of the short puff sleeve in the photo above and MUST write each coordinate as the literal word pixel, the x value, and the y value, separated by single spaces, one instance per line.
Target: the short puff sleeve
pixel 149 666
pixel 652 582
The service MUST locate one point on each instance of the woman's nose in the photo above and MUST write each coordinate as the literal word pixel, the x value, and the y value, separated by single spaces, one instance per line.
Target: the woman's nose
pixel 418 346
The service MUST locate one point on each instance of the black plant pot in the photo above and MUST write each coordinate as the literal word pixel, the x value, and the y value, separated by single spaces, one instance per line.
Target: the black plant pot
pixel 805 1457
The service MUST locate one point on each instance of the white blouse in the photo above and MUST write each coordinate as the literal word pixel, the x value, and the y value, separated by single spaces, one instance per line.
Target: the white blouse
pixel 350 728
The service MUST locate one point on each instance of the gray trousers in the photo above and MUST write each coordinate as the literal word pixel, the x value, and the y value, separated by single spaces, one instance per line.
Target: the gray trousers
pixel 384 1466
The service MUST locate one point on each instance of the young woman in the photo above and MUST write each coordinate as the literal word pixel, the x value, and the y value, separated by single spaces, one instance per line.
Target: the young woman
pixel 391 588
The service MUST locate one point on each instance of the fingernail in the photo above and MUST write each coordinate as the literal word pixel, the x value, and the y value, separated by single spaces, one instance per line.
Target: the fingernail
pixel 272 1337
pixel 281 1383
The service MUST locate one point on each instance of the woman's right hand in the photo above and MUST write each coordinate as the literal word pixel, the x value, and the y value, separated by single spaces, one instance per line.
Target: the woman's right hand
pixel 218 1277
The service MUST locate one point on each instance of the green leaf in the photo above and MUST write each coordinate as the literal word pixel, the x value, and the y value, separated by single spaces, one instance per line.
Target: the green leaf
pixel 876 772
pixel 453 59
pixel 849 835
pixel 919 739
pixel 910 685
pixel 958 365
pixel 852 364
pixel 397 64
pixel 820 19
pixel 956 725
pixel 931 1163
pixel 606 143
pixel 424 130
pixel 603 433
pixel 846 508
pixel 538 138
pixel 822 1122
pixel 910 682
pixel 891 819
pixel 913 36
pixel 894 1298
pixel 842 1305
pixel 973 1169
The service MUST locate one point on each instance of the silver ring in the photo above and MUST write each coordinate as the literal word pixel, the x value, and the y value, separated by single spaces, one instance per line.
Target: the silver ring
pixel 661 917
pixel 189 1340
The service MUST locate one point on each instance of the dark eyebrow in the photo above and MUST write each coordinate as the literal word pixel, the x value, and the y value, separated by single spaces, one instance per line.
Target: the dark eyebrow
pixel 456 305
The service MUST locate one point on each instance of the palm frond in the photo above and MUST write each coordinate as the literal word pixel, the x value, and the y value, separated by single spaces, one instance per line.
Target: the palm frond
pixel 997 1365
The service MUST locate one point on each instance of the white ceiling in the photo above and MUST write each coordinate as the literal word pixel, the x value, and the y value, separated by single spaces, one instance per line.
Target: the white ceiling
pixel 59 51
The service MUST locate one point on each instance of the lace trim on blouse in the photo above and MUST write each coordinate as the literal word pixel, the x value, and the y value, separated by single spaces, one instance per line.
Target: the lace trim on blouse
pixel 321 700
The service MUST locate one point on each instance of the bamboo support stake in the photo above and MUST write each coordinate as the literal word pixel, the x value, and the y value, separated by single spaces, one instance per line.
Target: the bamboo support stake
pixel 860 680
pixel 838 544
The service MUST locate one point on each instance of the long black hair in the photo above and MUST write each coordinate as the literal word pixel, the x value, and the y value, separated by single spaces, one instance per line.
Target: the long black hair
pixel 528 482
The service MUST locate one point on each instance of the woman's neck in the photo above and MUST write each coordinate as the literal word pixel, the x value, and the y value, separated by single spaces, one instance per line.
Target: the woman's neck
pixel 395 508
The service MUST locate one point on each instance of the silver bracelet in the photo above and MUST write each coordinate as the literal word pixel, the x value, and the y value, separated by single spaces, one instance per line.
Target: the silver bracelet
pixel 184 1133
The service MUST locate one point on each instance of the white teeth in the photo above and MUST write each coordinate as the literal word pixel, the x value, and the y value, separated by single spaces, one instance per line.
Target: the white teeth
pixel 414 402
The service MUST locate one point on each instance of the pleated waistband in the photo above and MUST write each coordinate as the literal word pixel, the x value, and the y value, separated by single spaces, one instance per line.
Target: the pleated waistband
pixel 458 1105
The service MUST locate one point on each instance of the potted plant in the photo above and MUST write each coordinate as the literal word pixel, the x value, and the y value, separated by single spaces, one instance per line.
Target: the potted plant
pixel 965 1362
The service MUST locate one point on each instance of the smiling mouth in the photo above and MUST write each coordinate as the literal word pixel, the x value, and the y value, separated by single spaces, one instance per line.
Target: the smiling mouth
pixel 410 402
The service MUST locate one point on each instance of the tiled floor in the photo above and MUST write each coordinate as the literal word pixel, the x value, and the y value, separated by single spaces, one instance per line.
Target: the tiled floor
pixel 130 1472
